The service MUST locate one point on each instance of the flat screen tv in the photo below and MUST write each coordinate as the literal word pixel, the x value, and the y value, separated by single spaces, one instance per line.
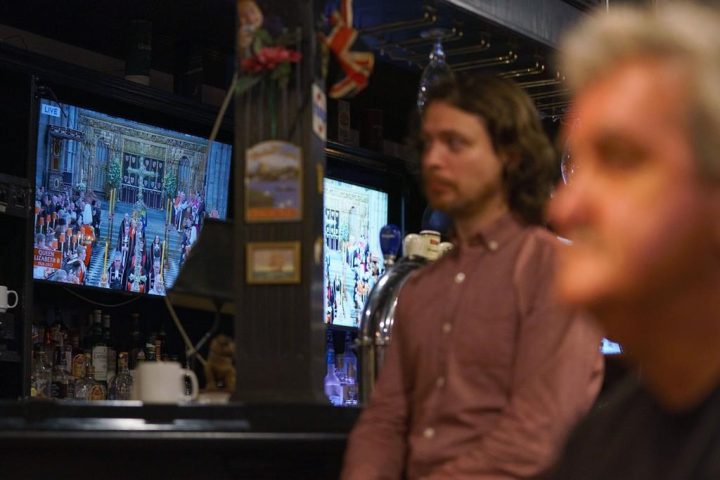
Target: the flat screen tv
pixel 120 203
pixel 354 215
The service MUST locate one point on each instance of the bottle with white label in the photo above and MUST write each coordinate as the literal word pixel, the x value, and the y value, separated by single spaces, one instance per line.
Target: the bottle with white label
pixel 99 349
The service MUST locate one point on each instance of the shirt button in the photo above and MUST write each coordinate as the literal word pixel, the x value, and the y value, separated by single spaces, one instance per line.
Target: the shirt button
pixel 429 432
pixel 447 327
pixel 460 277
pixel 440 382
pixel 492 245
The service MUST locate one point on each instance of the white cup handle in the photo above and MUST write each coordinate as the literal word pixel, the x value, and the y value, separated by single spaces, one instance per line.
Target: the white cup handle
pixel 16 298
pixel 194 382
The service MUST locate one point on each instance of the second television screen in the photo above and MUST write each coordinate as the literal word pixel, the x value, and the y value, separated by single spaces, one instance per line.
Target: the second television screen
pixel 354 215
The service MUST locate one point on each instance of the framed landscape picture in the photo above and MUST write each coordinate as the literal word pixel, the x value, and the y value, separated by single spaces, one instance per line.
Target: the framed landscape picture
pixel 273 182
pixel 273 262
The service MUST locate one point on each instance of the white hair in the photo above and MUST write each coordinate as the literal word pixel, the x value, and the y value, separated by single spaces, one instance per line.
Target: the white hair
pixel 684 34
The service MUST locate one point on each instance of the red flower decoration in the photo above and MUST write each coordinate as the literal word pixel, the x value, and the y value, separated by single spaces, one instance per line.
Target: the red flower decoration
pixel 268 58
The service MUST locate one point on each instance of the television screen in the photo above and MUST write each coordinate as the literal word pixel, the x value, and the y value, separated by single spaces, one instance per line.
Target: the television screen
pixel 608 347
pixel 120 203
pixel 354 216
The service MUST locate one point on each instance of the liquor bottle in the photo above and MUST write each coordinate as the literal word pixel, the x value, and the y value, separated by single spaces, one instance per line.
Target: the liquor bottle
pixel 111 355
pixel 59 329
pixel 333 389
pixel 41 377
pixel 68 366
pixel 48 346
pixel 121 385
pixel 78 358
pixel 86 333
pixel 60 379
pixel 75 350
pixel 97 390
pixel 99 349
pixel 89 388
pixel 161 340
pixel 350 376
pixel 38 333
pixel 150 348
pixel 160 343
pixel 136 341
pixel 82 384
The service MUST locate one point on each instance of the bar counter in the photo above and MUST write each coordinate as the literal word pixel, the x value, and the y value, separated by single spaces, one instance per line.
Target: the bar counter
pixel 130 440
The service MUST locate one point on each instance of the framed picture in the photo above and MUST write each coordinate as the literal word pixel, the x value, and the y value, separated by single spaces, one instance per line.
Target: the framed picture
pixel 273 262
pixel 273 182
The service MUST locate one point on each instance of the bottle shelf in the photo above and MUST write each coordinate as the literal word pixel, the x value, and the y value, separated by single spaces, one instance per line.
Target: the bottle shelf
pixel 9 356
pixel 15 196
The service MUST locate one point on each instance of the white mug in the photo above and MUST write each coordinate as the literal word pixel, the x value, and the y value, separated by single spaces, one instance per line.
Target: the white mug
pixel 4 292
pixel 163 382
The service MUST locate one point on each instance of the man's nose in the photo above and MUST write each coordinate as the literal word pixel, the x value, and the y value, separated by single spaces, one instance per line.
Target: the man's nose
pixel 432 156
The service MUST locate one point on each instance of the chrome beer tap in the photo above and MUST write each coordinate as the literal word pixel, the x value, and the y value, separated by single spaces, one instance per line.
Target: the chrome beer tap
pixel 378 314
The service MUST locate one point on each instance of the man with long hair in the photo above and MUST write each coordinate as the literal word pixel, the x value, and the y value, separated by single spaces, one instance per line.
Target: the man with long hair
pixel 485 374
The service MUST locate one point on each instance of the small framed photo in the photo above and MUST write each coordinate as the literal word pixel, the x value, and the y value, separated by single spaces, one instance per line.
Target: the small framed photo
pixel 273 262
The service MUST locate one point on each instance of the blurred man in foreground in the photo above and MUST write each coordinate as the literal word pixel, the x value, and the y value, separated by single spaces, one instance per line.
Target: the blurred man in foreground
pixel 643 213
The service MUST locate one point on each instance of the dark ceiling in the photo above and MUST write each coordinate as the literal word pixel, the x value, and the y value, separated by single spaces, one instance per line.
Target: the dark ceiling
pixel 179 28
pixel 392 28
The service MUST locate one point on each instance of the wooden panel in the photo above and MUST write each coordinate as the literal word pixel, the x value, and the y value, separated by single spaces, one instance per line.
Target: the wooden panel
pixel 278 328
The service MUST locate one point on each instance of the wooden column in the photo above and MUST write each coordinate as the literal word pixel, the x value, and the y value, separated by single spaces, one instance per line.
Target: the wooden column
pixel 279 329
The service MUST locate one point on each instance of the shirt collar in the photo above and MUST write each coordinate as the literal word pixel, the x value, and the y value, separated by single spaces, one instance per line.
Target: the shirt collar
pixel 496 234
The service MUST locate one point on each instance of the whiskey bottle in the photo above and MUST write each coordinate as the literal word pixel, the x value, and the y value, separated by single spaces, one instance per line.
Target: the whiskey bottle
pixel 121 385
pixel 77 369
pixel 89 388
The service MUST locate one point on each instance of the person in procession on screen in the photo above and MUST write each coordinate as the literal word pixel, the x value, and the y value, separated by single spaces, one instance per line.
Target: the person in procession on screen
pixel 125 244
pixel 51 240
pixel 642 210
pixel 125 222
pixel 87 212
pixel 115 272
pixel 40 241
pixel 485 374
pixel 76 266
pixel 96 216
pixel 155 251
pixel 87 232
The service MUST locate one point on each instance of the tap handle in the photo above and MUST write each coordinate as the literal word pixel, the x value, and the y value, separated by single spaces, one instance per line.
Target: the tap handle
pixel 390 240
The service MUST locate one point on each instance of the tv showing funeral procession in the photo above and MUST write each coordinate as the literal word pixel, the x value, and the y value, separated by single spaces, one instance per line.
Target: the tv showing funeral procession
pixel 354 215
pixel 119 203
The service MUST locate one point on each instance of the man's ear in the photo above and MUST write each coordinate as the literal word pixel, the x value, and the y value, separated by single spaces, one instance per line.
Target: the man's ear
pixel 509 158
